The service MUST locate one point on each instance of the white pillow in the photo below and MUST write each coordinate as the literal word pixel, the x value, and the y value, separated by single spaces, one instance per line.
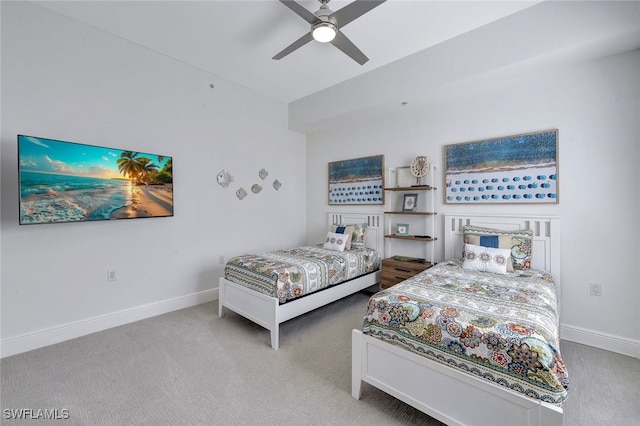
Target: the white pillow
pixel 358 237
pixel 487 259
pixel 346 230
pixel 335 241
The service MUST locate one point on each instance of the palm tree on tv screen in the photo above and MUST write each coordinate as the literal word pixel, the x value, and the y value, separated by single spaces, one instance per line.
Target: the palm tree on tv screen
pixel 142 170
pixel 166 174
pixel 147 170
pixel 129 165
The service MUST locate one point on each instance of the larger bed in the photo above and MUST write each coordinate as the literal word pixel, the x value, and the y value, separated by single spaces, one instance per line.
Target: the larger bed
pixel 274 287
pixel 470 347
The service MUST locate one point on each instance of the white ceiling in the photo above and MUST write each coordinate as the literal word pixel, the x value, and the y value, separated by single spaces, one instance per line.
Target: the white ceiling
pixel 237 39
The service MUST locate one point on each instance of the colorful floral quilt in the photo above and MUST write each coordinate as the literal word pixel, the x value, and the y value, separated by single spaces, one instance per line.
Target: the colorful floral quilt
pixel 292 273
pixel 502 328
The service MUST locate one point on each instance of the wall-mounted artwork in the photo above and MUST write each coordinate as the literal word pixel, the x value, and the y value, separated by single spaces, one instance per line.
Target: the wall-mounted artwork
pixel 241 193
pixel 71 182
pixel 511 169
pixel 225 178
pixel 357 181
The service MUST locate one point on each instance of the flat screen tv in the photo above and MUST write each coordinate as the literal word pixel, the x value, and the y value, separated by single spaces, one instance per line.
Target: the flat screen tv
pixel 72 182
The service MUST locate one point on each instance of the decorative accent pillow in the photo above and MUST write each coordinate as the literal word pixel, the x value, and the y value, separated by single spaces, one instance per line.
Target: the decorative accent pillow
pixel 518 242
pixel 335 241
pixel 487 259
pixel 346 230
pixel 493 241
pixel 358 238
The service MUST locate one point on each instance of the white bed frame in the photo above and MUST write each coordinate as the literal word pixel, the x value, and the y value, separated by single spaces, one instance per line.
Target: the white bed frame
pixel 451 396
pixel 269 313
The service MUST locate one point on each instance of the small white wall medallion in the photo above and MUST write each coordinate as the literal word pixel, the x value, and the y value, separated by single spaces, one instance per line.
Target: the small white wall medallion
pixel 224 178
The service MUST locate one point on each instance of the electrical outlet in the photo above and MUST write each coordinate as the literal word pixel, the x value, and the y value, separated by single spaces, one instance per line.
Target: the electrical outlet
pixel 596 289
pixel 221 260
pixel 111 275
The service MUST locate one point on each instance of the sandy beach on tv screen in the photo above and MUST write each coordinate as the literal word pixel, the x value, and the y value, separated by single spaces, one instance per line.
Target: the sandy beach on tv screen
pixel 148 201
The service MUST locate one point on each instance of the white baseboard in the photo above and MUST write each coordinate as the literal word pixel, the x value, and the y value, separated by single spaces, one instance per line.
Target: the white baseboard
pixel 30 341
pixel 39 339
pixel 609 342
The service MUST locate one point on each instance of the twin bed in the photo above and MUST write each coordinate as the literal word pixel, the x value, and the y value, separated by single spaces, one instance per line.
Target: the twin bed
pixel 460 343
pixel 292 282
pixel 468 347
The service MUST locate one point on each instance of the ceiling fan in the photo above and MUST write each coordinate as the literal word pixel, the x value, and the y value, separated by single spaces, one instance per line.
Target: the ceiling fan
pixel 326 24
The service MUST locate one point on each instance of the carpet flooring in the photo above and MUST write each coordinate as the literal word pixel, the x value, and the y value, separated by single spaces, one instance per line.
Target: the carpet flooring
pixel 190 367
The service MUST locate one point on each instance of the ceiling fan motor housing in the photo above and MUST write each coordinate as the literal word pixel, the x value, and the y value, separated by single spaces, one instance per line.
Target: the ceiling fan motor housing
pixel 326 28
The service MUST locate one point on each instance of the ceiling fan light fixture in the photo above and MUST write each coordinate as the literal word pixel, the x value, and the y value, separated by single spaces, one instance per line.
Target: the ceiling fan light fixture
pixel 324 32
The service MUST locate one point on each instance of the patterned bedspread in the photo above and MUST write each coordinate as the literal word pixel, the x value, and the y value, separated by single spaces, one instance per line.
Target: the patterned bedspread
pixel 502 328
pixel 288 274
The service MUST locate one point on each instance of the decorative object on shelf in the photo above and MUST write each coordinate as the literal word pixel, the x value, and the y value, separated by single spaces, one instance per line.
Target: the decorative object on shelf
pixel 263 174
pixel 410 202
pixel 408 259
pixel 224 178
pixel 241 193
pixel 255 188
pixel 419 167
pixel 402 229
pixel 357 181
pixel 404 178
pixel 276 184
pixel 511 169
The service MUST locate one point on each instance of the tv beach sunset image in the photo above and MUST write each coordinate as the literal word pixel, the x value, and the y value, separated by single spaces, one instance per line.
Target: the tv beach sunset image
pixel 71 182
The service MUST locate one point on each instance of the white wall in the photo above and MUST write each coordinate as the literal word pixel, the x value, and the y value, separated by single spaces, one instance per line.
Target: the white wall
pixel 595 106
pixel 64 80
pixel 67 81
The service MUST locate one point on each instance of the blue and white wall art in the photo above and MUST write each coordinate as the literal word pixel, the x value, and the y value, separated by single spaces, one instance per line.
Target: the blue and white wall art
pixel 357 181
pixel 511 169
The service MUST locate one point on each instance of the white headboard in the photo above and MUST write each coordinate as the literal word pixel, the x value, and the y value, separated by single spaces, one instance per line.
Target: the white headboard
pixel 374 237
pixel 545 251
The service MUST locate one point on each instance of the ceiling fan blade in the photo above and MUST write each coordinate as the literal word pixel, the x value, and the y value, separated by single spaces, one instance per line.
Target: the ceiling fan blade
pixel 300 10
pixel 354 10
pixel 295 45
pixel 343 43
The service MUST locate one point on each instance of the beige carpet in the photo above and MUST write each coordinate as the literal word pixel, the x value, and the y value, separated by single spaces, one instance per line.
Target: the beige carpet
pixel 190 367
